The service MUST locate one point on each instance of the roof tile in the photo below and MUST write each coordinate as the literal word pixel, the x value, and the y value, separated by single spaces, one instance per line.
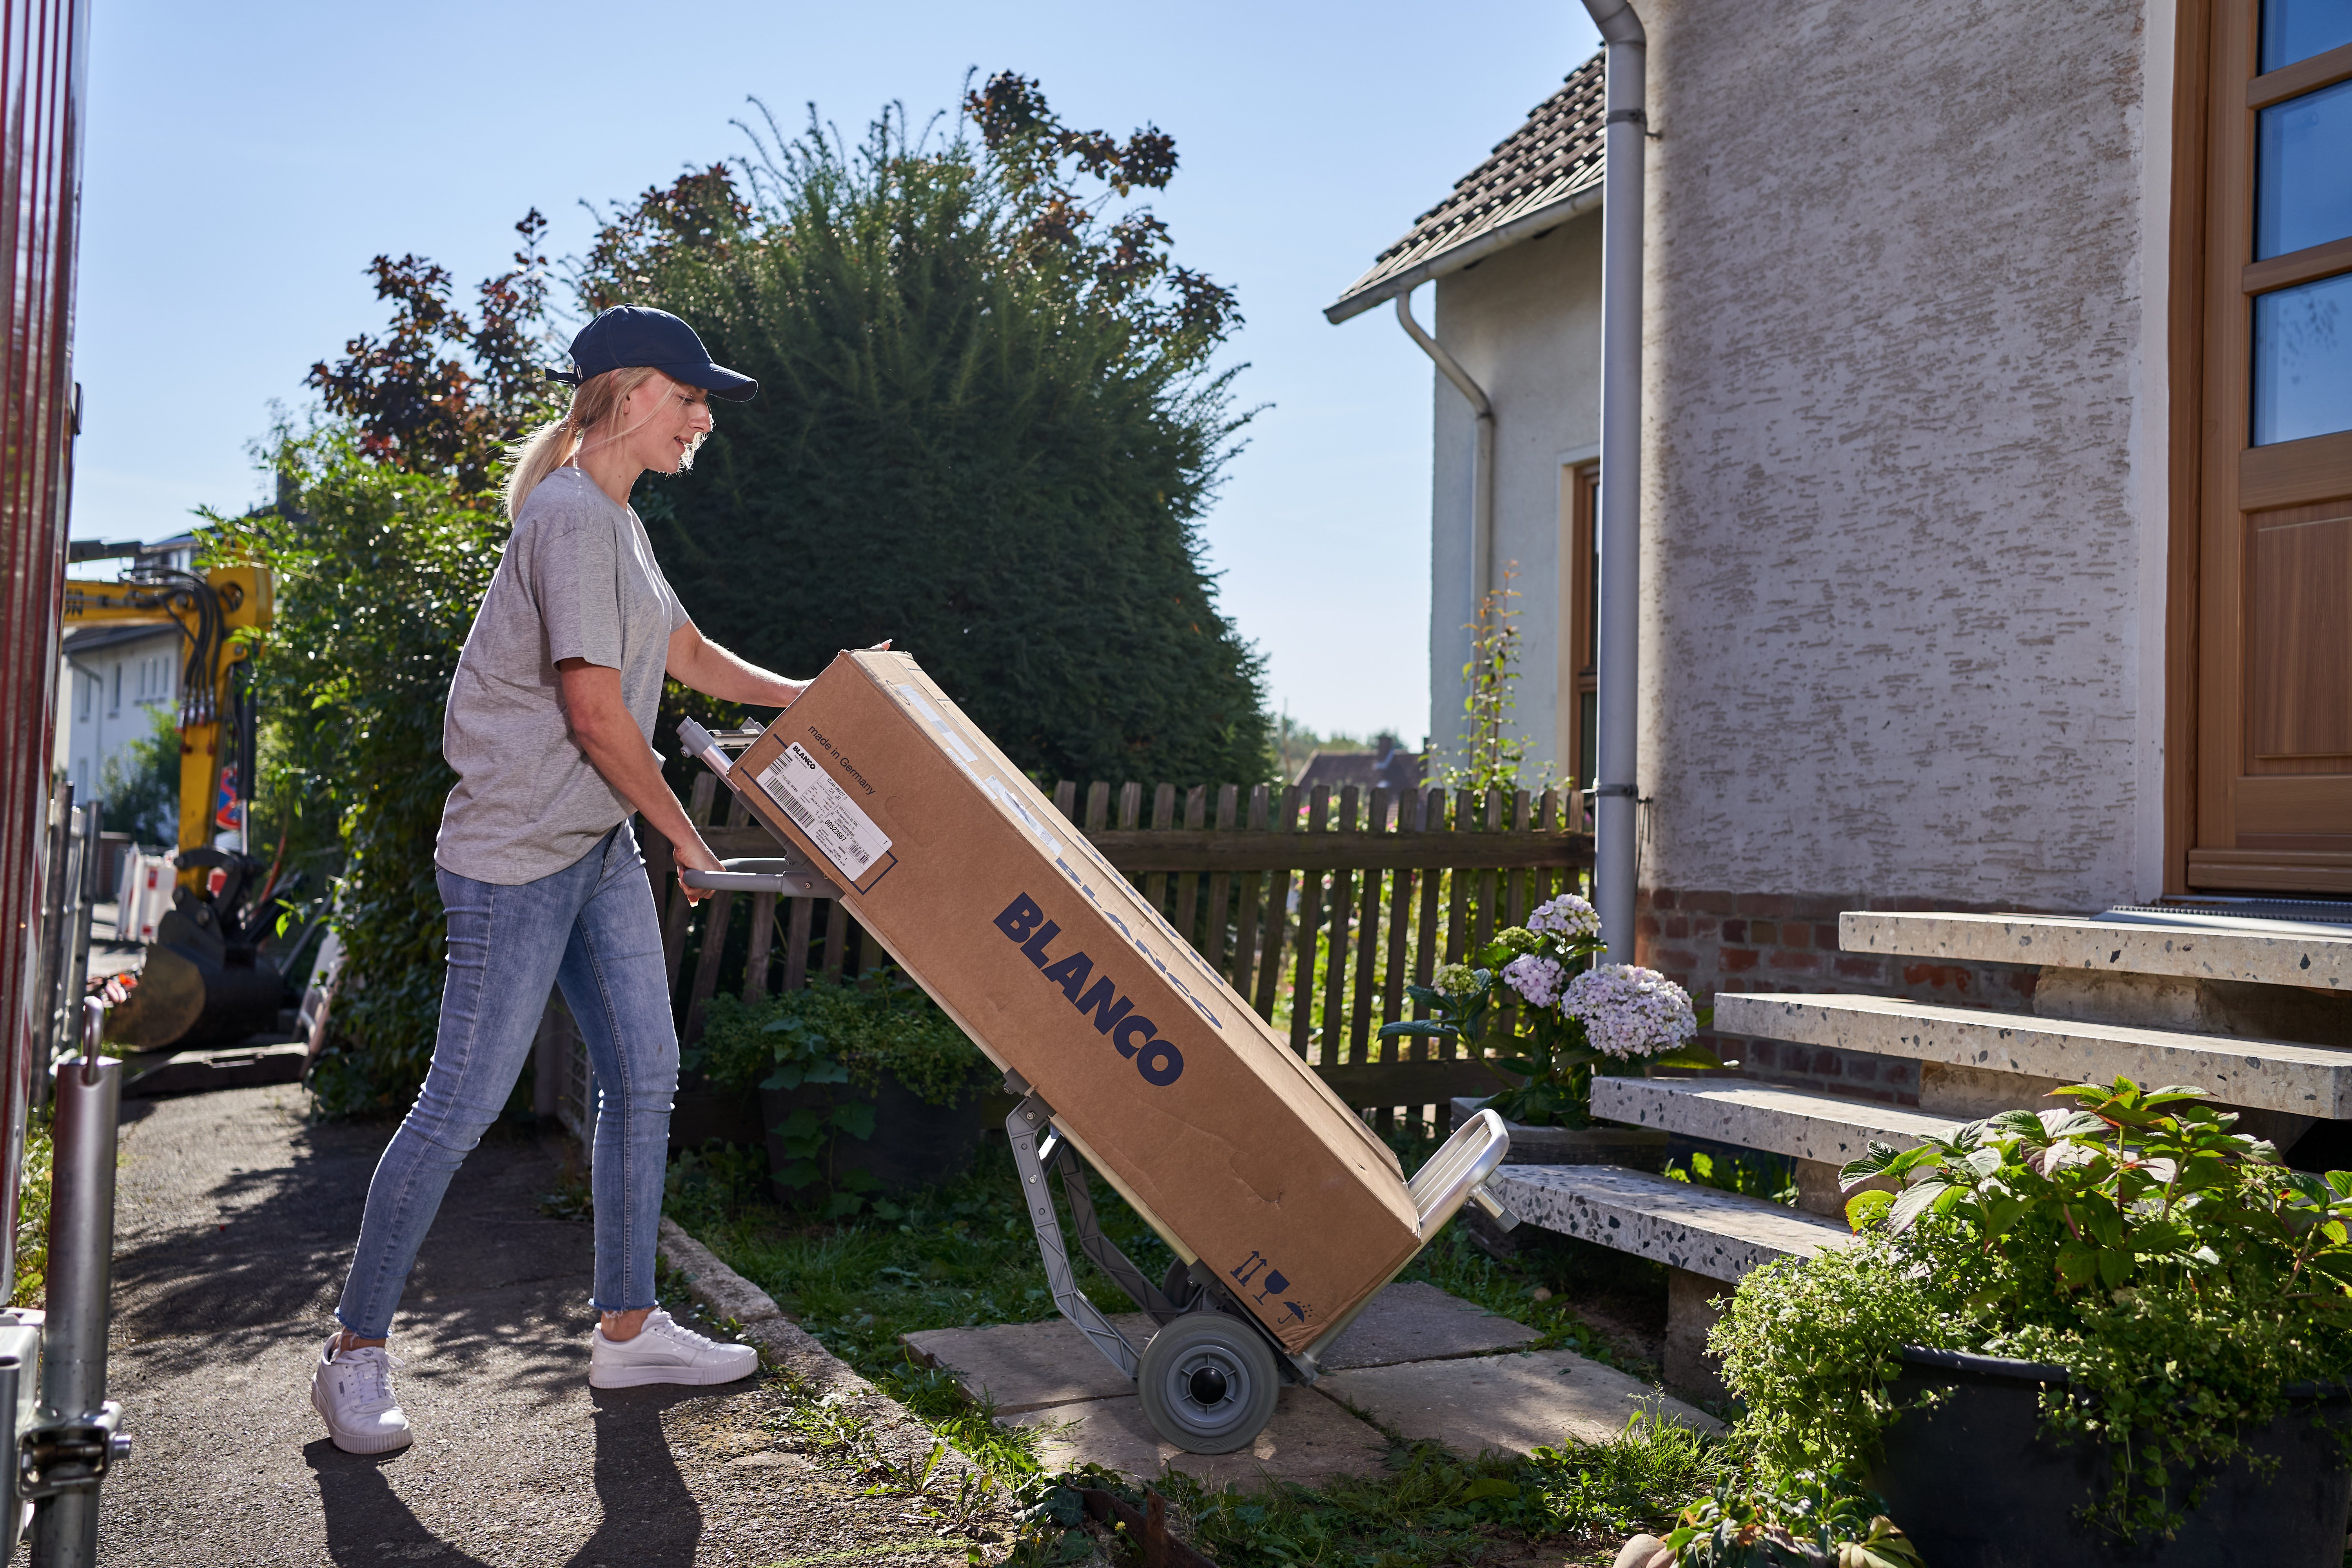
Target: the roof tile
pixel 1555 154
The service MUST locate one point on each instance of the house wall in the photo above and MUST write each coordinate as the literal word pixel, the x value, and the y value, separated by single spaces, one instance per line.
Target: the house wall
pixel 1896 490
pixel 1526 324
pixel 107 699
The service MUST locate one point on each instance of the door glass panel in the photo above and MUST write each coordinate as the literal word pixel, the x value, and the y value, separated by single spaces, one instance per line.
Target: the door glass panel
pixel 2302 360
pixel 2297 29
pixel 2303 179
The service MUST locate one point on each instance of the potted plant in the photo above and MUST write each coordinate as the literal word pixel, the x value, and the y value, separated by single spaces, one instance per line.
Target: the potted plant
pixel 1568 1017
pixel 866 1090
pixel 2115 1332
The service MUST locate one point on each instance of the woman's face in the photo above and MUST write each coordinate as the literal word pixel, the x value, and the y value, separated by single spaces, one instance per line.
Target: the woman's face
pixel 663 421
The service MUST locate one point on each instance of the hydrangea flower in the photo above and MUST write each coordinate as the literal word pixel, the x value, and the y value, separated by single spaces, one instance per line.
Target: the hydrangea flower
pixel 1566 916
pixel 1536 978
pixel 1629 1011
pixel 1454 980
pixel 1518 939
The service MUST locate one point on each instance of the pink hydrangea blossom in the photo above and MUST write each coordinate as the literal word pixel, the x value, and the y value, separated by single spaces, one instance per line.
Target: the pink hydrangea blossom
pixel 1629 1011
pixel 1536 978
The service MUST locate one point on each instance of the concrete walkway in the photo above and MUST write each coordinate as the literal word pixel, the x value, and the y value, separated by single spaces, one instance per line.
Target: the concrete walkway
pixel 234 1224
pixel 1418 1364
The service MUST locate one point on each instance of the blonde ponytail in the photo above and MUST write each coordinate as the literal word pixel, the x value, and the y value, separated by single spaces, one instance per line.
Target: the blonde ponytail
pixel 557 442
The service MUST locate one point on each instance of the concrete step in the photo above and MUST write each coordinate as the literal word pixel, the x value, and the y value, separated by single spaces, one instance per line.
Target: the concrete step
pixel 2287 957
pixel 1719 1235
pixel 2270 1075
pixel 1797 1123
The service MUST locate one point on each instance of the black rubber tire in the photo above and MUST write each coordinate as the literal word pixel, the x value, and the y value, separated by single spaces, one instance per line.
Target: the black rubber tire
pixel 1197 1350
pixel 1178 1287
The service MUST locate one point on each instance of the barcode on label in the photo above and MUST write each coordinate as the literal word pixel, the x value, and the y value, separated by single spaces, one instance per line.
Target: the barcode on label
pixel 822 809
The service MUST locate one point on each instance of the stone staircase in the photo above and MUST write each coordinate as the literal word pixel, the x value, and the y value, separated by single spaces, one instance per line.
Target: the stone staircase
pixel 2257 1012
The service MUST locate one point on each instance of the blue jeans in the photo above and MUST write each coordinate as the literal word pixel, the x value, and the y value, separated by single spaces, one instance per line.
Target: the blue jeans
pixel 591 929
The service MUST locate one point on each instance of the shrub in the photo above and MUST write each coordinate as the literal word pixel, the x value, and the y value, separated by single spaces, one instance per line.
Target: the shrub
pixel 2180 1273
pixel 378 574
pixel 984 429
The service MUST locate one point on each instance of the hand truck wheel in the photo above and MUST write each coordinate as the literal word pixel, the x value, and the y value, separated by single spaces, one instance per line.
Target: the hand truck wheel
pixel 1209 1382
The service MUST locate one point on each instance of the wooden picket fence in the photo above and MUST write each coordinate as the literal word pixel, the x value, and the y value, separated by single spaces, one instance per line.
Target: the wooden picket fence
pixel 1318 906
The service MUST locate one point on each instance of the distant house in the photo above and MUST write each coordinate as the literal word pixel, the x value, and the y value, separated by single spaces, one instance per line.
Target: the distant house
pixel 116 678
pixel 1386 766
pixel 112 679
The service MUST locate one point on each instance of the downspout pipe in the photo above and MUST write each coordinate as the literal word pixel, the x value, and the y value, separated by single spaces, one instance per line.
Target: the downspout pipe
pixel 1482 467
pixel 1617 764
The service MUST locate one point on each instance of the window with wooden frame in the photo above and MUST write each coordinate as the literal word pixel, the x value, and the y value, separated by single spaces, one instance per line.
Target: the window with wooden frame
pixel 2269 785
pixel 1578 717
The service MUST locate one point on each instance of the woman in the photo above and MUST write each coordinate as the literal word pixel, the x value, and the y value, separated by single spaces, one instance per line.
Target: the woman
pixel 549 722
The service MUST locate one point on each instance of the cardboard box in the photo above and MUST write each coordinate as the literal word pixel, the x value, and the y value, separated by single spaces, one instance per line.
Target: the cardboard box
pixel 1157 1071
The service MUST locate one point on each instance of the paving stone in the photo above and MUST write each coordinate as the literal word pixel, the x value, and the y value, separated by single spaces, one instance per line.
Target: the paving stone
pixel 1310 1439
pixel 1415 1320
pixel 1514 1402
pixel 1031 1366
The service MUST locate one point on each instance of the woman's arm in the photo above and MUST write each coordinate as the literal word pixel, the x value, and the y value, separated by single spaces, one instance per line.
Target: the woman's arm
pixel 710 669
pixel 604 731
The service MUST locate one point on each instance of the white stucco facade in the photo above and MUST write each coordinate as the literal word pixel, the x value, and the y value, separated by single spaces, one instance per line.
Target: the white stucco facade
pixel 1904 449
pixel 1526 324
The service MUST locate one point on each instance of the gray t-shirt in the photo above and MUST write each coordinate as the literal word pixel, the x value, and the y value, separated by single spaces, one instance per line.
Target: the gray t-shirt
pixel 578 581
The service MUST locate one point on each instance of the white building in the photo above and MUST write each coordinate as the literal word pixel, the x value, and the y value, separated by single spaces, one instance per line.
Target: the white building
pixel 114 678
pixel 1997 450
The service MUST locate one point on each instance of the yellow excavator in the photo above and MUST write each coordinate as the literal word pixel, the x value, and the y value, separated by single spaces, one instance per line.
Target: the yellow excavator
pixel 205 981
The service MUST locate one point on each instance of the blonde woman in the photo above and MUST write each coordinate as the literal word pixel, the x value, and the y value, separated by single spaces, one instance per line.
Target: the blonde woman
pixel 550 727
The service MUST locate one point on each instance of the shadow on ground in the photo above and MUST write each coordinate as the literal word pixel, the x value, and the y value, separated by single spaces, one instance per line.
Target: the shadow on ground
pixel 235 1218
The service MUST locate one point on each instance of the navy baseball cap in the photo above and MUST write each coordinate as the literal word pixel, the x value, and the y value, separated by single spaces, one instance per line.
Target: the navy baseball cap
pixel 628 335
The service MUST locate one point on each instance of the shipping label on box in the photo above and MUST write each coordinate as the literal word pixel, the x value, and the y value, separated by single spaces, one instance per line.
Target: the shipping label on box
pixel 1047 957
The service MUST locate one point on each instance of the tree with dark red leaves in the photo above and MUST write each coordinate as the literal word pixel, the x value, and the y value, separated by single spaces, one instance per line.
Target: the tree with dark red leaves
pixel 442 392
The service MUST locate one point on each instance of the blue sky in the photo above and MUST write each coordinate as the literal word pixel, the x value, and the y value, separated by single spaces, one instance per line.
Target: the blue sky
pixel 244 161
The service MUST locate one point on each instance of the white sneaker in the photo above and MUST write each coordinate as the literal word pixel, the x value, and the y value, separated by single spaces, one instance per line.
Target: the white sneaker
pixel 353 1392
pixel 663 1352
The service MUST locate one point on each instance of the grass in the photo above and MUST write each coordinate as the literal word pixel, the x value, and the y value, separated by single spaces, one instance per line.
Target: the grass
pixel 33 1218
pixel 963 1254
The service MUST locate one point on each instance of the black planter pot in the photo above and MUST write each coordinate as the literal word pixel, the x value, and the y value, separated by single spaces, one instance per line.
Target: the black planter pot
pixel 914 1144
pixel 1975 1484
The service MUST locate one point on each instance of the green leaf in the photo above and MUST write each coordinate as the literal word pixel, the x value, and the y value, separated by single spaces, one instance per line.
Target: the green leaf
pixel 782 1077
pixel 1692 1056
pixel 1868 1208
pixel 1429 1028
pixel 1875 1158
pixel 1490 1486
pixel 1914 1203
pixel 796 1174
pixel 854 1117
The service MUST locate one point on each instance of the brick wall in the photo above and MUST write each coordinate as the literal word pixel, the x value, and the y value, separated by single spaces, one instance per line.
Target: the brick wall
pixel 1710 942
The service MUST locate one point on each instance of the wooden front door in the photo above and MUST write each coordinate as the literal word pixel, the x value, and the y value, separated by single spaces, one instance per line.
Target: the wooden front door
pixel 2273 773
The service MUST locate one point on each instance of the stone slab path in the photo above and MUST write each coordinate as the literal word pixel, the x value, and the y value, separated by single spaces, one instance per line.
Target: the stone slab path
pixel 1509 1403
pixel 235 1223
pixel 1417 1361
